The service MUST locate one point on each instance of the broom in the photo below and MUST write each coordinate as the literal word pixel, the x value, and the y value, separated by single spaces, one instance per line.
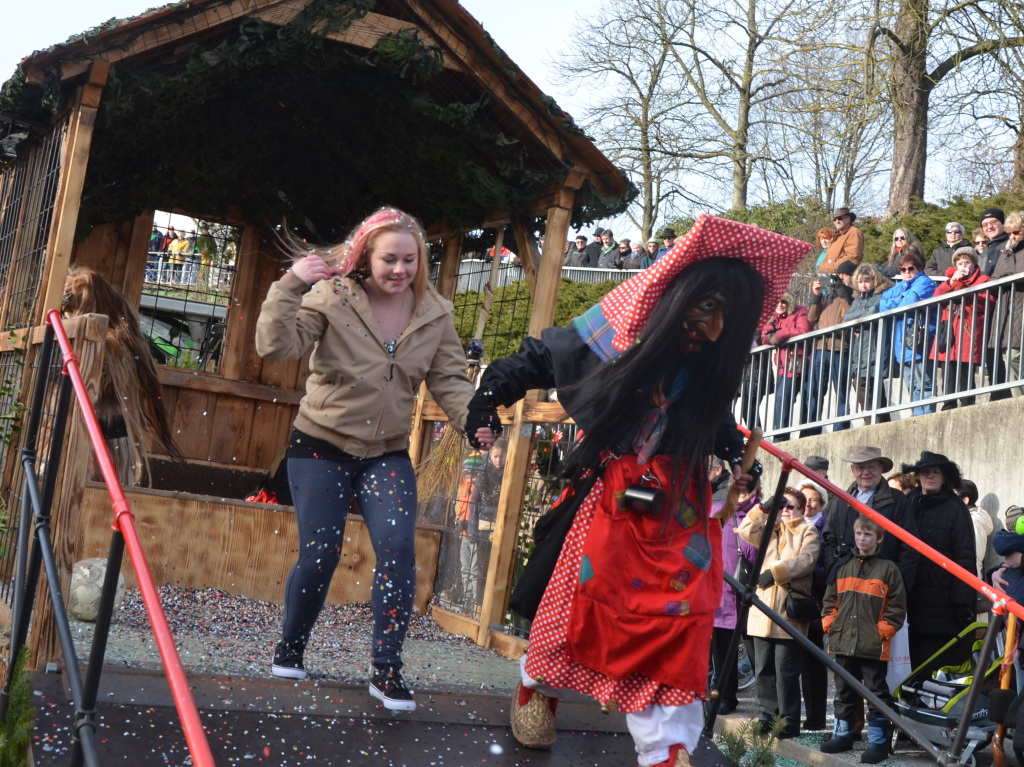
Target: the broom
pixel 998 753
pixel 436 475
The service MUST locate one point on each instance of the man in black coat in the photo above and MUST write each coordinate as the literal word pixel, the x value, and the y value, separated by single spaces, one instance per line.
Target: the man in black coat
pixel 992 223
pixel 868 465
pixel 592 253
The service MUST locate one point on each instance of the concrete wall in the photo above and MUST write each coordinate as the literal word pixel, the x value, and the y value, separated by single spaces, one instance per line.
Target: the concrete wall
pixel 985 440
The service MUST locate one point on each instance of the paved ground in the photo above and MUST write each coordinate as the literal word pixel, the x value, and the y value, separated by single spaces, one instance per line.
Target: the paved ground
pixel 252 718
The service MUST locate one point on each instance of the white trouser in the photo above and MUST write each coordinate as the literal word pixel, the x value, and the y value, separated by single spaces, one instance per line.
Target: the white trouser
pixel 654 729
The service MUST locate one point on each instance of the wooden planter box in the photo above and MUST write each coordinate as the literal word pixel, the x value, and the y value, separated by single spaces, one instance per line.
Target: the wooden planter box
pixel 243 548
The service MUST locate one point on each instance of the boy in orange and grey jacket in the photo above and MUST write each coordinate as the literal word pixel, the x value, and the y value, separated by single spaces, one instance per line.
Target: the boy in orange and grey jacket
pixel 865 605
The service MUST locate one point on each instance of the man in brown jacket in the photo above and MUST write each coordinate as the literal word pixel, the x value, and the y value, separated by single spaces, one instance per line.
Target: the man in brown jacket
pixel 847 245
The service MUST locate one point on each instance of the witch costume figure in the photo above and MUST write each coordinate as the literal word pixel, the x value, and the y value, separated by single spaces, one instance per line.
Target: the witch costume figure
pixel 649 374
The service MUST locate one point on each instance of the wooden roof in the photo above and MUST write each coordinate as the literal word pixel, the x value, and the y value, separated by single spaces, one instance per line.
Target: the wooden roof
pixel 512 131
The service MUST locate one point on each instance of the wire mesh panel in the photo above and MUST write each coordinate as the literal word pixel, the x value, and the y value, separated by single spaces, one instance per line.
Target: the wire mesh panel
pixel 186 293
pixel 29 189
pixel 14 401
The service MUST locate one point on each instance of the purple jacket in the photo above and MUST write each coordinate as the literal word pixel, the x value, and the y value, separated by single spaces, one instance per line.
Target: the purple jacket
pixel 725 615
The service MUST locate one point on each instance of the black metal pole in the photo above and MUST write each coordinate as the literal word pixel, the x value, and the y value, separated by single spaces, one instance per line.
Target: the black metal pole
pixel 86 712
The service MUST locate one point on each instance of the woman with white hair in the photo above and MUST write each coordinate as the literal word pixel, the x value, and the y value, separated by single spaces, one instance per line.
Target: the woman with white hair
pixel 903 241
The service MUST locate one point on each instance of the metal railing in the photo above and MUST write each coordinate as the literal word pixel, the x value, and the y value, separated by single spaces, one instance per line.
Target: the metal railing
pixel 942 352
pixel 474 272
pixel 35 517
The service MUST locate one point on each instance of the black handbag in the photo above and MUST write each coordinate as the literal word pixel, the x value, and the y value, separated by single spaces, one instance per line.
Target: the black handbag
pixel 914 335
pixel 802 607
pixel 548 536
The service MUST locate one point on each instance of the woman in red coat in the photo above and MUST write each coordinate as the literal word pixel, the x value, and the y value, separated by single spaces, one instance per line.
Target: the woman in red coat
pixel 957 345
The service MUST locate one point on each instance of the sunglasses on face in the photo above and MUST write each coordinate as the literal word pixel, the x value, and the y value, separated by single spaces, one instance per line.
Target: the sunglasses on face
pixel 1018 233
pixel 787 506
pixel 906 269
pixel 898 237
pixel 953 231
pixel 979 242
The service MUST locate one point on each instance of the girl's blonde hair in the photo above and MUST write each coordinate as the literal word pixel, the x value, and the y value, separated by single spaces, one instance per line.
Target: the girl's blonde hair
pixel 351 256
pixel 876 277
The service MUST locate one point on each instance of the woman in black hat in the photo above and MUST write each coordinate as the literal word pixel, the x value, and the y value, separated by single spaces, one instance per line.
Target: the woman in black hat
pixel 940 605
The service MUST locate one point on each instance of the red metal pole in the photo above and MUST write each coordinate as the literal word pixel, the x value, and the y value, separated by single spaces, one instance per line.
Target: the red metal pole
pixel 124 522
pixel 1001 603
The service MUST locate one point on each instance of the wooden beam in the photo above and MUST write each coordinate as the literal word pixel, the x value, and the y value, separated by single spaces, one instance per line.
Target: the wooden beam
pixel 528 254
pixel 362 33
pixel 175 29
pixel 453 41
pixel 74 162
pixel 549 273
pixel 506 527
pixel 448 274
pixel 241 330
pixel 215 384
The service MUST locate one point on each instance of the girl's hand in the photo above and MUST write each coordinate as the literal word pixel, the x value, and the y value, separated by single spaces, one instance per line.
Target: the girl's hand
pixel 312 269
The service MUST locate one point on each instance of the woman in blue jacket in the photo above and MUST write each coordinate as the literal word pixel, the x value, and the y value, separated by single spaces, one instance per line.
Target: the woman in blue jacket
pixel 913 329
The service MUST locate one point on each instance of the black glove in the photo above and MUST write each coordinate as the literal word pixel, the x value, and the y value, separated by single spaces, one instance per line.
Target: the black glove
pixel 766 579
pixel 483 413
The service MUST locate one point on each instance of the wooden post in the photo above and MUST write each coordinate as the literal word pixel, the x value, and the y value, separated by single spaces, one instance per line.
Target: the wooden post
pixel 520 434
pixel 74 162
pixel 528 252
pixel 88 333
pixel 447 280
pixel 238 363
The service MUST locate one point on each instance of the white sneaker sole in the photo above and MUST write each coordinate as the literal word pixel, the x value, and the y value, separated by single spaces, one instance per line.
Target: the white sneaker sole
pixel 288 672
pixel 390 703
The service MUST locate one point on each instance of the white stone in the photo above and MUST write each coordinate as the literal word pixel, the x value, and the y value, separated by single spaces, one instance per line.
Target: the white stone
pixel 86 585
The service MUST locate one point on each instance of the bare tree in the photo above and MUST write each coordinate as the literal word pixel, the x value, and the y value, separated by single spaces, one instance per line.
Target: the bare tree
pixel 918 46
pixel 637 103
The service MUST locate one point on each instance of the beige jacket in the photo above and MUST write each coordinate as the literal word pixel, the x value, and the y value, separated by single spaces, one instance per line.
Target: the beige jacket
pixel 357 397
pixel 791 556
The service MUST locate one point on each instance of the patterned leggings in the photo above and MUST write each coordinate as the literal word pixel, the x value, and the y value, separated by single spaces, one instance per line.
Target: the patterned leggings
pixel 385 488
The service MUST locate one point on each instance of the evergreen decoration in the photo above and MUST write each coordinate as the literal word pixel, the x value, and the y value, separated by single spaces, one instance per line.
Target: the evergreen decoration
pixel 279 122
pixel 16 730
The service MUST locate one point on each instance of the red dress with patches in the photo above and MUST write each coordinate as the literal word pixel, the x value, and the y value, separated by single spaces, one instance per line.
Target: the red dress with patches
pixel 628 614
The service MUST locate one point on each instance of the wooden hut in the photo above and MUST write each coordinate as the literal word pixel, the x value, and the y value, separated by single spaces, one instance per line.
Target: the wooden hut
pixel 251 113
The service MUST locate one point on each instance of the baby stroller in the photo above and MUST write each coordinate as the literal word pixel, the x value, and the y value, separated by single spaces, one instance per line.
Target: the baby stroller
pixel 932 698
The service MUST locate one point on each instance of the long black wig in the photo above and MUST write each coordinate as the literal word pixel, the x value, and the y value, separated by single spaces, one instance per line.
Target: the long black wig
pixel 622 391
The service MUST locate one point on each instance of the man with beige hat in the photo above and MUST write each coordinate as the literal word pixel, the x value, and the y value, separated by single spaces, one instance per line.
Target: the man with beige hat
pixel 870 488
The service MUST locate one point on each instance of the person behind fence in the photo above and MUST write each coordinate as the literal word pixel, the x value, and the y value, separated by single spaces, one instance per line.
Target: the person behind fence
pixel 824 239
pixel 981 519
pixel 649 374
pixel 476 511
pixel 941 605
pixel 868 287
pixel 377 330
pixel 1006 329
pixel 825 309
pixel 813 674
pixel 786 573
pixel 942 257
pixel 913 330
pixel 847 242
pixel 738 559
pixel 788 320
pixel 958 334
pixel 865 605
pixel 903 242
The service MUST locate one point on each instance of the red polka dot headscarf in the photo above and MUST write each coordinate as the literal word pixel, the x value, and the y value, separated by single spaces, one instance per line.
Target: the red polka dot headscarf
pixel 628 306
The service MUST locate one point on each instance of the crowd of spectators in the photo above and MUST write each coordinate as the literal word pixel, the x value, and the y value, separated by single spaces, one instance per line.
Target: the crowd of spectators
pixel 605 252
pixel 825 548
pixel 973 339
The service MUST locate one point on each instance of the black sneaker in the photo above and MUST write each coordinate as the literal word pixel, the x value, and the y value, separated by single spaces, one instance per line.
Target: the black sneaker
pixel 389 688
pixel 288 660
